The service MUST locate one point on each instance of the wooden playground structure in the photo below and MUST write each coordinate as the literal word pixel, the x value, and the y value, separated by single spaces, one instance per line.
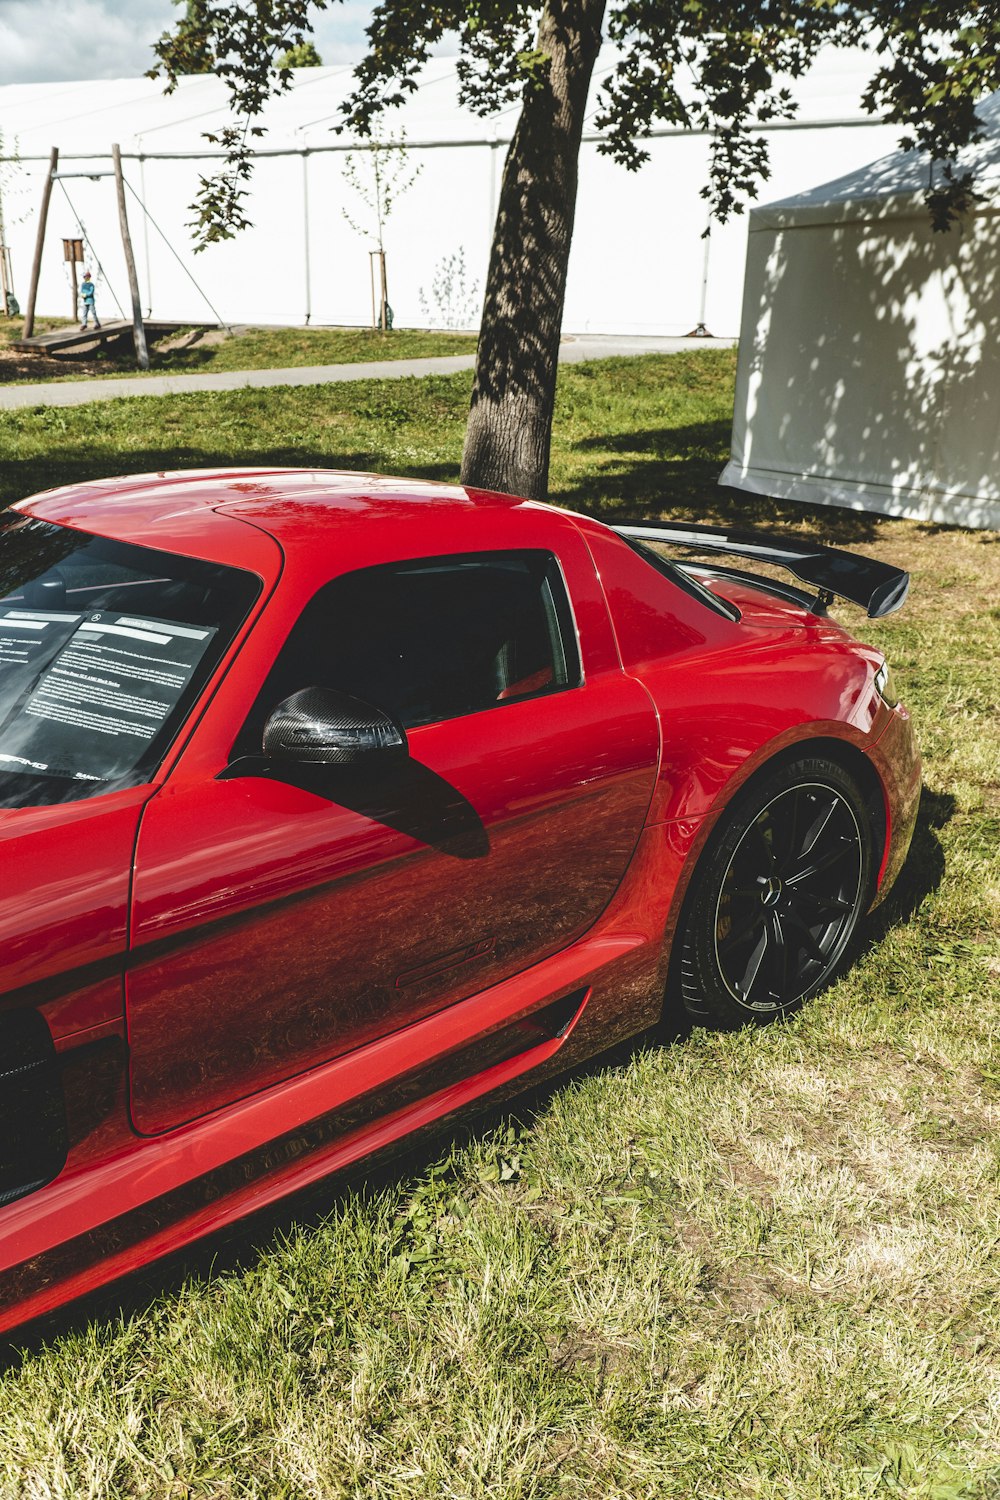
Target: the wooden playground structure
pixel 67 339
pixel 138 327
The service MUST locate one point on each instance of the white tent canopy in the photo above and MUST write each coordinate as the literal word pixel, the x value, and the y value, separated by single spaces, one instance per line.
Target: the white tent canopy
pixel 639 262
pixel 869 364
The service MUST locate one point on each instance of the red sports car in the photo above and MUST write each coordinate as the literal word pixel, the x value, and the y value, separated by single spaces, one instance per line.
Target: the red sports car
pixel 333 803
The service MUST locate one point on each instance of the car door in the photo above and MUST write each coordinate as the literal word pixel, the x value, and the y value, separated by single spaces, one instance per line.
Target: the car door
pixel 284 917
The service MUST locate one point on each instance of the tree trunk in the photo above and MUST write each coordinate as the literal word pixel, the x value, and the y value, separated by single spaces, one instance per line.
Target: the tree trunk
pixel 510 421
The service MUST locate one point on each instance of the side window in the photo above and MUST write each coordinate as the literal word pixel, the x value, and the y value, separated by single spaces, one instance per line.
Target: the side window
pixel 431 640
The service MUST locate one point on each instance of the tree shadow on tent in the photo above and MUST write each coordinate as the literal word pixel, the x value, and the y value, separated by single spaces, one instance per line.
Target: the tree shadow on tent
pixel 869 358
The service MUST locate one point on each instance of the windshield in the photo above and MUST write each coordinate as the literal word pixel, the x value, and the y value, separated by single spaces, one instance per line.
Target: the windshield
pixel 104 647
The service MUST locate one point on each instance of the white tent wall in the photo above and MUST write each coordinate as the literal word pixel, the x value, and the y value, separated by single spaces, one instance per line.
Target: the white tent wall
pixel 637 258
pixel 445 210
pixel 257 277
pixel 638 263
pixel 870 352
pixel 261 264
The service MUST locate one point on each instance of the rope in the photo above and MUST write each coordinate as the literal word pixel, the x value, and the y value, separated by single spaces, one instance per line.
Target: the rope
pixel 201 292
pixel 93 252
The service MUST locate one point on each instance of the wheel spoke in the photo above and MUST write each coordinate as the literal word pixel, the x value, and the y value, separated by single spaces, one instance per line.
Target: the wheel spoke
pixel 786 830
pixel 737 934
pixel 808 940
pixel 822 903
pixel 752 969
pixel 815 830
pixel 822 862
pixel 765 844
pixel 781 952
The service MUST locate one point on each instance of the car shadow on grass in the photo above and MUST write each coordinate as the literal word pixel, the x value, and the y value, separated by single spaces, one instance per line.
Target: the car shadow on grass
pixel 239 1248
pixel 921 874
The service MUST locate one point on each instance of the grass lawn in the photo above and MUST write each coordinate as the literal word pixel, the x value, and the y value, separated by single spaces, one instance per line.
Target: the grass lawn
pixel 200 351
pixel 712 1266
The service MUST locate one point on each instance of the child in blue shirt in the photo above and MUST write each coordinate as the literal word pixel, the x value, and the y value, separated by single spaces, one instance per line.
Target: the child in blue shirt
pixel 87 294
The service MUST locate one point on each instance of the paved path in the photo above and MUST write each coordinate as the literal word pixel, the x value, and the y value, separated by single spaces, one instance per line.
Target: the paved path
pixel 80 392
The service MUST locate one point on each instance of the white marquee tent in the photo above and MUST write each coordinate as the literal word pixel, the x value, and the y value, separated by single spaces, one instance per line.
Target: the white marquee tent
pixel 639 263
pixel 869 366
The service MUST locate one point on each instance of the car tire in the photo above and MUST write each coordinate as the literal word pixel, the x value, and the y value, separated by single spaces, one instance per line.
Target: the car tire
pixel 777 895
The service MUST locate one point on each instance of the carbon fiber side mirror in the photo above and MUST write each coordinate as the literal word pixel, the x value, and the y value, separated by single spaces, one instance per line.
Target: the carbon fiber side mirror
pixel 319 726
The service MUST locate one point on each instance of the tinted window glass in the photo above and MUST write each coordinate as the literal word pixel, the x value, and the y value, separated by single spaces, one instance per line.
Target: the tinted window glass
pixel 431 640
pixel 103 649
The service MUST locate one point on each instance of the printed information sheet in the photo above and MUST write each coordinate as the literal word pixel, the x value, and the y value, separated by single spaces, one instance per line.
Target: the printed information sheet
pixel 107 683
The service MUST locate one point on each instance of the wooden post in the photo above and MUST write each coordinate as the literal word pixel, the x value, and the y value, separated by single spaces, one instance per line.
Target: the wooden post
pixel 72 253
pixel 383 318
pixel 5 286
pixel 36 265
pixel 138 331
pixel 371 273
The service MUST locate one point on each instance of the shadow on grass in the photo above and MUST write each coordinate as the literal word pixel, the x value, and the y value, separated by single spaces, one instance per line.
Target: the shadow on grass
pixel 239 1248
pixel 681 489
pixel 921 874
pixel 712 438
pixel 680 484
pixel 674 472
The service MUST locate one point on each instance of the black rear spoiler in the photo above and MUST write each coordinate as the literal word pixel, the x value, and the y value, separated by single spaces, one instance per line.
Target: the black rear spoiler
pixel 876 586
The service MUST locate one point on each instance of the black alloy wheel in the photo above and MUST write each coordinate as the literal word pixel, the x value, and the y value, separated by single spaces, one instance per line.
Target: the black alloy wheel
pixel 777 895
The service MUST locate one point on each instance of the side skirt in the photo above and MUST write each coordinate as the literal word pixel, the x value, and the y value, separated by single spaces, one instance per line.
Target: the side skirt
pixel 171 1190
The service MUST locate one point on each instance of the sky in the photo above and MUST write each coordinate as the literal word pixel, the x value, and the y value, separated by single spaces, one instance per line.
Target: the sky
pixel 46 41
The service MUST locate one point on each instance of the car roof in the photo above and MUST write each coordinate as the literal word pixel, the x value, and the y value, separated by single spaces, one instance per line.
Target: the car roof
pixel 193 511
pixel 263 493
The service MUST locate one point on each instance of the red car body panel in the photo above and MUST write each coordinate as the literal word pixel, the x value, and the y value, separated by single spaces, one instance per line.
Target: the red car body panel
pixel 250 985
pixel 247 944
pixel 64 921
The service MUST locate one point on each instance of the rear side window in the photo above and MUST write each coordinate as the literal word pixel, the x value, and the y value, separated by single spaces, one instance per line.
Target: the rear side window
pixel 431 640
